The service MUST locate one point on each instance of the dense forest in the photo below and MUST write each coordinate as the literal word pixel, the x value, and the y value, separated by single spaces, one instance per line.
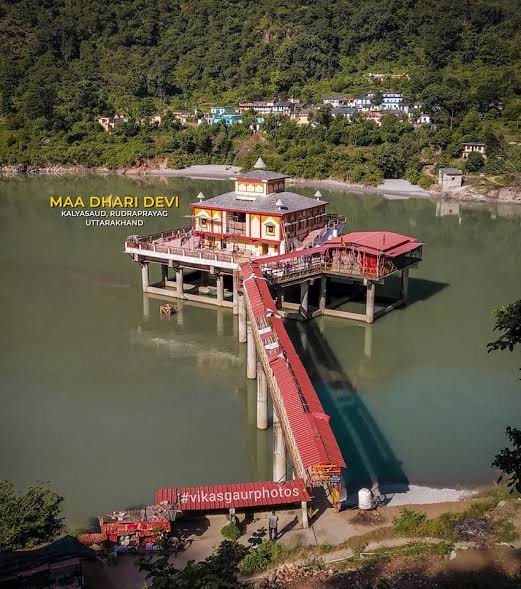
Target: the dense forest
pixel 64 62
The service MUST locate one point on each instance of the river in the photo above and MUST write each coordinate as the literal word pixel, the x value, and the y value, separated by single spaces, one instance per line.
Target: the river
pixel 108 406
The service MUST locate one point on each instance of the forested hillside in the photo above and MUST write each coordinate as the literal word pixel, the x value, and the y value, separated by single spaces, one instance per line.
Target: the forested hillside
pixel 65 62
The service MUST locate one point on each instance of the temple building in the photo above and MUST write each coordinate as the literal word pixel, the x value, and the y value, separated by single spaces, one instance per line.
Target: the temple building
pixel 259 217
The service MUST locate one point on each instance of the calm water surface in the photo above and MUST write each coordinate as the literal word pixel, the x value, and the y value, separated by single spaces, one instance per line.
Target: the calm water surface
pixel 108 406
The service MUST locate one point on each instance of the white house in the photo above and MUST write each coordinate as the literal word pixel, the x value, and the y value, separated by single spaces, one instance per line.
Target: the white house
pixel 474 147
pixel 335 101
pixel 392 101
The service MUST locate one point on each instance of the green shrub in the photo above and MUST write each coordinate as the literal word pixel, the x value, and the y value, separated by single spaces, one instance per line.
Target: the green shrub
pixel 441 526
pixel 231 531
pixel 419 549
pixel 314 563
pixel 505 530
pixel 479 508
pixel 409 521
pixel 258 559
pixel 425 181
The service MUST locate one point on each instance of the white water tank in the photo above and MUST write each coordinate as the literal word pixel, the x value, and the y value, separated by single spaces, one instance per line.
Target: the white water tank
pixel 365 499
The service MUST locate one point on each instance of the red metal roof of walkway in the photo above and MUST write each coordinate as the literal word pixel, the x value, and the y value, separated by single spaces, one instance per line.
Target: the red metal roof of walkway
pixel 314 438
pixel 258 494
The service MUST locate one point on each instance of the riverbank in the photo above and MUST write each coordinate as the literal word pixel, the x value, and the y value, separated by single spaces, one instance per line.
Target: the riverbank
pixel 391 188
pixel 352 541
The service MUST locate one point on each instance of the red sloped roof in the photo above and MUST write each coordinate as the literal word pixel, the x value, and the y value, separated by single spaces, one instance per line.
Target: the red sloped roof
pixel 313 435
pixel 258 494
pixel 377 242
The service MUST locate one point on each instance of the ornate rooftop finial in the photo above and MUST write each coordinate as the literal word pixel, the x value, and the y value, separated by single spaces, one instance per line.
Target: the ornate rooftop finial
pixel 259 164
pixel 200 197
pixel 318 195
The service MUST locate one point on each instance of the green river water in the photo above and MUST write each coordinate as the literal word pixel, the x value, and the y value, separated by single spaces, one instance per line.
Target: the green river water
pixel 107 406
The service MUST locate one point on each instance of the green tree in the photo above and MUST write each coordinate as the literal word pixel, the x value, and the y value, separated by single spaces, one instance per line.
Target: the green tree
pixel 508 322
pixel 509 460
pixel 474 162
pixel 219 571
pixel 323 116
pixel 30 518
pixel 377 99
pixel 388 160
pixel 470 125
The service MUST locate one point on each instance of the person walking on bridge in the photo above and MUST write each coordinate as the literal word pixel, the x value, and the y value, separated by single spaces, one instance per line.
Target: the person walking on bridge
pixel 273 521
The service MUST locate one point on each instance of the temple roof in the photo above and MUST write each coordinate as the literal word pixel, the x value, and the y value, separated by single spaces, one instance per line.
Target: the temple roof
pixel 233 201
pixel 263 175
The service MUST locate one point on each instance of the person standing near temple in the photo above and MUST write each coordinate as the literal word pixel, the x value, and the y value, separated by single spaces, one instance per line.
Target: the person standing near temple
pixel 273 522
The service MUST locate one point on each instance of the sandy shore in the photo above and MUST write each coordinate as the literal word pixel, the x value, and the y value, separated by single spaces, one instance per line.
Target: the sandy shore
pixel 208 172
pixel 217 172
pixel 418 495
pixel 393 189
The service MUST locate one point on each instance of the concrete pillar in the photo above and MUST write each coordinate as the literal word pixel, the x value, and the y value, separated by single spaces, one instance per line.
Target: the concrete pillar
pixel 164 274
pixel 279 303
pixel 304 295
pixel 235 293
pixel 279 450
pixel 179 283
pixel 144 276
pixel 369 305
pixel 305 520
pixel 251 361
pixel 242 319
pixel 262 398
pixel 220 322
pixel 220 289
pixel 404 291
pixel 146 307
pixel 180 315
pixel 323 290
pixel 368 341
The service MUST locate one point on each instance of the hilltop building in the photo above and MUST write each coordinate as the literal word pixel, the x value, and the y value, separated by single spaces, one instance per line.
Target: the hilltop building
pixel 335 101
pixel 221 110
pixel 156 119
pixel 474 147
pixel 343 111
pixel 267 107
pixel 422 119
pixel 303 116
pixel 226 118
pixel 109 122
pixel 184 117
pixel 392 101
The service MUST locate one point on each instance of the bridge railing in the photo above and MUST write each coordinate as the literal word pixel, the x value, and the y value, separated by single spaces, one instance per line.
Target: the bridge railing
pixel 344 262
pixel 193 252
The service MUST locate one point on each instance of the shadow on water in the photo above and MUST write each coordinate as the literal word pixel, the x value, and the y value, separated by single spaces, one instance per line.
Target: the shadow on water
pixel 420 289
pixel 370 459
